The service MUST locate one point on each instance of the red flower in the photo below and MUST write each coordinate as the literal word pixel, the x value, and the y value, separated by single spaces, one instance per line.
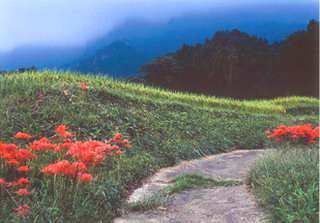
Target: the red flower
pixel 119 152
pixel 301 133
pixel 50 169
pixel 44 140
pixel 67 134
pixel 86 177
pixel 22 192
pixel 22 210
pixel 22 135
pixel 24 154
pixel 67 141
pixel 80 166
pixel 61 128
pixel 84 86
pixel 42 144
pixel 23 169
pixel 2 181
pixel 23 181
pixel 12 162
pixel 117 138
pixel 58 167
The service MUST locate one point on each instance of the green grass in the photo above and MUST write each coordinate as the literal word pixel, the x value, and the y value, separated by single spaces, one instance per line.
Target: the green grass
pixel 286 181
pixel 164 127
pixel 141 92
pixel 191 181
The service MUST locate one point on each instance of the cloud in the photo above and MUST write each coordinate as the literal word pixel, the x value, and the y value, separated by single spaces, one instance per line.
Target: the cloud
pixel 75 22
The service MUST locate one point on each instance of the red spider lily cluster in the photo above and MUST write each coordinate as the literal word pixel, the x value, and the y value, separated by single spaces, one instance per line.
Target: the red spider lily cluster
pixel 299 133
pixel 84 86
pixel 61 130
pixel 75 160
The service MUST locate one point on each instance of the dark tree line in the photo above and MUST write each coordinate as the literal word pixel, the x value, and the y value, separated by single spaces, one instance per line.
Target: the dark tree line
pixel 20 70
pixel 235 64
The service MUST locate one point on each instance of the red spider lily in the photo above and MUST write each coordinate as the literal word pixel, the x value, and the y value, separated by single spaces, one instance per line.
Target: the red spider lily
pixel 84 86
pixel 23 169
pixel 22 210
pixel 22 135
pixel 42 144
pixel 304 133
pixel 23 192
pixel 117 136
pixel 13 153
pixel 75 168
pixel 67 134
pixel 7 151
pixel 24 155
pixel 117 139
pixel 44 140
pixel 65 167
pixel 67 141
pixel 79 166
pixel 86 177
pixel 23 181
pixel 90 152
pixel 58 167
pixel 12 162
pixel 84 155
pixel 61 128
pixel 119 152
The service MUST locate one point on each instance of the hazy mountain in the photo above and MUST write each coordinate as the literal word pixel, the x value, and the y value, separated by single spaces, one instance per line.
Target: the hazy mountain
pixel 152 39
pixel 39 56
pixel 118 59
pixel 272 22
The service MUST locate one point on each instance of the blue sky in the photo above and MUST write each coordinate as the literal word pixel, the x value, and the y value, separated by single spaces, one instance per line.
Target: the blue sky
pixel 75 22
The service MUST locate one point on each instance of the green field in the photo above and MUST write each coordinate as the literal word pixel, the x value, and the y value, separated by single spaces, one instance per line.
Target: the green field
pixel 162 126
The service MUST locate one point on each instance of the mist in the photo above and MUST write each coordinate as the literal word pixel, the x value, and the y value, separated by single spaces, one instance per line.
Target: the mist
pixel 73 23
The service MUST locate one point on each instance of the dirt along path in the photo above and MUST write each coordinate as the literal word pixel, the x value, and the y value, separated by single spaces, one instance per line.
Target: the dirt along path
pixel 232 204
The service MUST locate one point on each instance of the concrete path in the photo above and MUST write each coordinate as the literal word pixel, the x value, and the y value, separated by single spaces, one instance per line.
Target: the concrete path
pixel 219 205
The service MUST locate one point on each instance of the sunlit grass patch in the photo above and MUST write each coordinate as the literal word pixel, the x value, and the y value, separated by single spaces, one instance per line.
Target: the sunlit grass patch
pixel 56 79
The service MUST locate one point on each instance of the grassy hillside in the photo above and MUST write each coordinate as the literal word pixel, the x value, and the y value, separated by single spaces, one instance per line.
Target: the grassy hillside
pixel 163 128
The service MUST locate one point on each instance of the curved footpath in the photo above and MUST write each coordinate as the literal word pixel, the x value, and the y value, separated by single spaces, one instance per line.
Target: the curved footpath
pixel 232 204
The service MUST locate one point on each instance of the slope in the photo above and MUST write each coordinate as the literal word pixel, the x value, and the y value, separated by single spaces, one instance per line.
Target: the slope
pixel 163 128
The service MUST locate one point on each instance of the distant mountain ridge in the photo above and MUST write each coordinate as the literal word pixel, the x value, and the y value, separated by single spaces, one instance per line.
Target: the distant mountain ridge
pixel 135 51
pixel 152 39
pixel 118 58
